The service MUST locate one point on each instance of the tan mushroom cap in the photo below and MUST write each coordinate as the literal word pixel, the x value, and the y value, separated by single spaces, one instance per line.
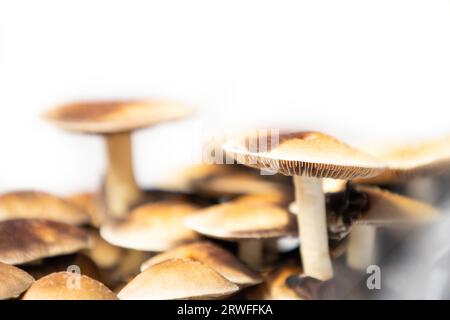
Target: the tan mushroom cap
pixel 234 220
pixel 13 281
pixel 275 198
pixel 114 116
pixel 152 227
pixel 178 279
pixel 387 208
pixel 305 153
pixel 90 203
pixel 214 257
pixel 62 286
pixel 274 286
pixel 40 205
pixel 104 254
pixel 25 240
pixel 404 160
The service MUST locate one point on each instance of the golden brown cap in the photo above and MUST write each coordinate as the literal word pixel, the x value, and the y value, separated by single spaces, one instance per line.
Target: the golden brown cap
pixel 214 257
pixel 151 227
pixel 104 254
pixel 90 203
pixel 114 116
pixel 25 240
pixel 387 208
pixel 178 279
pixel 13 281
pixel 274 286
pixel 40 205
pixel 403 160
pixel 275 198
pixel 305 153
pixel 64 286
pixel 234 220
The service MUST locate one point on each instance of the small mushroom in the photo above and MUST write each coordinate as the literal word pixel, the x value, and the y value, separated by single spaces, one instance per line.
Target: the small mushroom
pixel 40 205
pixel 308 157
pixel 116 120
pixel 27 240
pixel 386 209
pixel 214 257
pixel 152 227
pixel 13 281
pixel 177 279
pixel 68 286
pixel 247 224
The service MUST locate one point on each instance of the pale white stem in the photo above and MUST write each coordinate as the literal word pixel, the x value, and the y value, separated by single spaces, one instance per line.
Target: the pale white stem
pixel 312 222
pixel 250 251
pixel 121 189
pixel 361 250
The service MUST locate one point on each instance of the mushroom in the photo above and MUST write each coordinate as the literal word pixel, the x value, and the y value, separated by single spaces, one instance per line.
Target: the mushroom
pixel 56 286
pixel 27 240
pixel 386 209
pixel 116 120
pixel 177 279
pixel 246 223
pixel 152 227
pixel 212 256
pixel 41 205
pixel 90 203
pixel 274 286
pixel 104 254
pixel 13 281
pixel 308 157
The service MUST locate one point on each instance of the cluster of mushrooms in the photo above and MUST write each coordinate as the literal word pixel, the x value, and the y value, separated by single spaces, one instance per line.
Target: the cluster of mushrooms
pixel 212 231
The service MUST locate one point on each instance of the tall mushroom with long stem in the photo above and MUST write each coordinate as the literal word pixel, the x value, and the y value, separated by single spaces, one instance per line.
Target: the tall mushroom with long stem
pixel 115 121
pixel 308 157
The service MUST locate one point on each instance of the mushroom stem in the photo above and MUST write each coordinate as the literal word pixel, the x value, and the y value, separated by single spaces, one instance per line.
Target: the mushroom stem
pixel 121 189
pixel 250 251
pixel 312 222
pixel 361 250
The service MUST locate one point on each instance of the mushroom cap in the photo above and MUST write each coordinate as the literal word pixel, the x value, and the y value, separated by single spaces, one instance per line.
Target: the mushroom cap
pixel 405 160
pixel 178 279
pixel 151 227
pixel 274 198
pixel 25 240
pixel 387 209
pixel 13 281
pixel 40 205
pixel 235 220
pixel 104 254
pixel 103 117
pixel 90 203
pixel 214 257
pixel 55 287
pixel 311 154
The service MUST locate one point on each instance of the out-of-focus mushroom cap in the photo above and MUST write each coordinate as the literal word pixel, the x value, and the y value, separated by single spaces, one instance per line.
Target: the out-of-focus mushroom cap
pixel 25 240
pixel 63 286
pixel 178 279
pixel 152 227
pixel 40 205
pixel 103 117
pixel 214 257
pixel 13 281
pixel 234 220
pixel 305 153
pixel 90 203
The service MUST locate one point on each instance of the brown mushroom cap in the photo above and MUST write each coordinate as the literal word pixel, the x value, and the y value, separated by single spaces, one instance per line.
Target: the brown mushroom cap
pixel 235 220
pixel 305 153
pixel 178 279
pixel 40 205
pixel 214 257
pixel 387 208
pixel 25 240
pixel 274 198
pixel 104 254
pixel 90 203
pixel 55 287
pixel 13 281
pixel 405 159
pixel 114 116
pixel 151 227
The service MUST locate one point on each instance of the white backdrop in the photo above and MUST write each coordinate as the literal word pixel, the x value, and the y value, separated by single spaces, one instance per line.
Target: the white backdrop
pixel 356 69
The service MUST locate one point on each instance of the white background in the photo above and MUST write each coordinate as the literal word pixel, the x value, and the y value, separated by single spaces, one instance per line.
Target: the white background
pixel 361 70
